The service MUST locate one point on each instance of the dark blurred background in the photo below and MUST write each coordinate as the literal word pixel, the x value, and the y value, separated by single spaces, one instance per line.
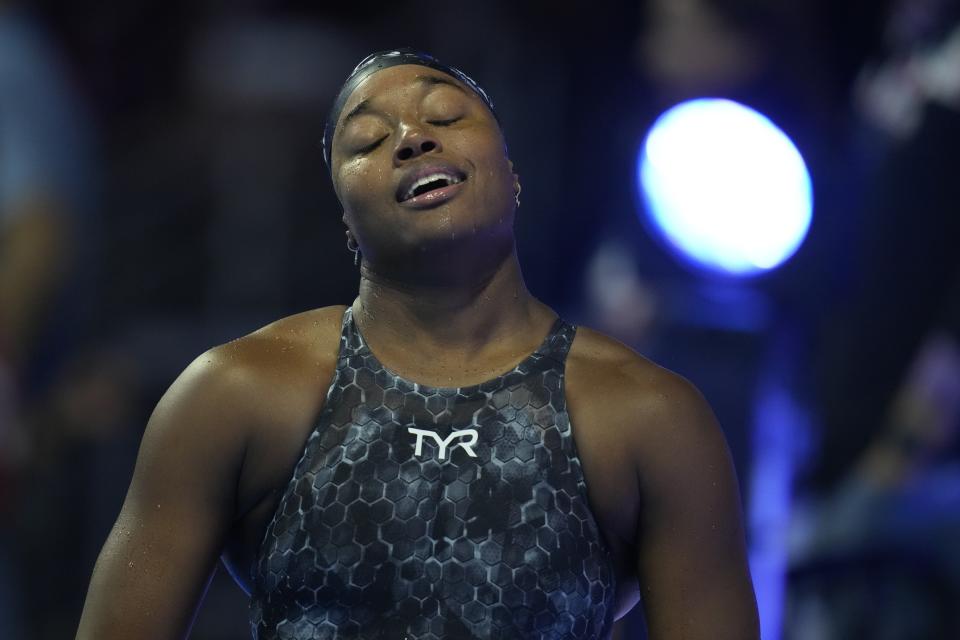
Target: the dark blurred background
pixel 162 190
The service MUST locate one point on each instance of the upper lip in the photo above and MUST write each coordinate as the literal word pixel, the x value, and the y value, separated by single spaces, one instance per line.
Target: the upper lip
pixel 416 173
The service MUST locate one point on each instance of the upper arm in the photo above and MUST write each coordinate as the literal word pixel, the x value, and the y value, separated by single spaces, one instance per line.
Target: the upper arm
pixel 160 554
pixel 692 561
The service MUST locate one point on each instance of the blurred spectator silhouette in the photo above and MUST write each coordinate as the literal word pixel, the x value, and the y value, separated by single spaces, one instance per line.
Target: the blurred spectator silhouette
pixel 886 516
pixel 46 236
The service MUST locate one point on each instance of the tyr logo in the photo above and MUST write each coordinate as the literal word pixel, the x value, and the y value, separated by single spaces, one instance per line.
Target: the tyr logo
pixel 470 435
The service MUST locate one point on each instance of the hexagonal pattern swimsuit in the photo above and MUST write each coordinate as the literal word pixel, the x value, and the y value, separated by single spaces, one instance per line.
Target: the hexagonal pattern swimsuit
pixel 436 513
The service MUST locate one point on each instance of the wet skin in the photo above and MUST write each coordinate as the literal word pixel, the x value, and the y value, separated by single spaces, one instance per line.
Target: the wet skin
pixel 441 302
pixel 408 120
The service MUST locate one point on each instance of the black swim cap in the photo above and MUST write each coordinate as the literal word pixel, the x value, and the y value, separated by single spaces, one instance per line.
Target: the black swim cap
pixel 381 60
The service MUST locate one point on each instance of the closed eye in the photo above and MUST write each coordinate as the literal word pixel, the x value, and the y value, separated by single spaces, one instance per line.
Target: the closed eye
pixel 444 123
pixel 372 146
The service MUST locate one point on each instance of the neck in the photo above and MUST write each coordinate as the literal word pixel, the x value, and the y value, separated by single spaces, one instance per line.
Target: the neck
pixel 449 320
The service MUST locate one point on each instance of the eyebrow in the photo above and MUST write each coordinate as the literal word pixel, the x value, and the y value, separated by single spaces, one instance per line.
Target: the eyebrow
pixel 428 81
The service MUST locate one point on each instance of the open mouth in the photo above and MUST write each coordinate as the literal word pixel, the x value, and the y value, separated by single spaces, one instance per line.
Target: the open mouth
pixel 428 183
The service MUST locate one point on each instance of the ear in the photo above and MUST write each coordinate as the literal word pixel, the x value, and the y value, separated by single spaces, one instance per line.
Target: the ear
pixel 351 239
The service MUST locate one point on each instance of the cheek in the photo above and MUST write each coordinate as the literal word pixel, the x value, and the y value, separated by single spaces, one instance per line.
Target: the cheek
pixel 366 194
pixel 494 157
pixel 361 185
pixel 494 169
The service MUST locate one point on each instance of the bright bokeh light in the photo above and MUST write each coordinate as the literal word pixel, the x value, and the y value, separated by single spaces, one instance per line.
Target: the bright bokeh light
pixel 725 187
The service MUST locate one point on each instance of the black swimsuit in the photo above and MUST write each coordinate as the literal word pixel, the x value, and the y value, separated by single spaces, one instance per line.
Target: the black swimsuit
pixel 436 513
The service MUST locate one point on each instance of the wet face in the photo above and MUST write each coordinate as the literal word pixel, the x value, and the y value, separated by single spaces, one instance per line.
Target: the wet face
pixel 419 164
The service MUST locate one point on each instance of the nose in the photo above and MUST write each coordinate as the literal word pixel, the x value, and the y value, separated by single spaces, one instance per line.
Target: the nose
pixel 413 143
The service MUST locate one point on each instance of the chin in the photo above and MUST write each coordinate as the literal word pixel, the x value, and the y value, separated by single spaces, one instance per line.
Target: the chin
pixel 451 243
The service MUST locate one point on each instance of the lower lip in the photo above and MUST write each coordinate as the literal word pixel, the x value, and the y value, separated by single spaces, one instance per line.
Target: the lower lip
pixel 433 198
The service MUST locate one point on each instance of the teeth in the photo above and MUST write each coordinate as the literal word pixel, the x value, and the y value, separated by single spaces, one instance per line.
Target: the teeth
pixel 433 177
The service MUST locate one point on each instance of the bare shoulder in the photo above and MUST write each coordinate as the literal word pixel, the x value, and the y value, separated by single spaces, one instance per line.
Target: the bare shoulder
pixel 663 420
pixel 239 413
pixel 194 478
pixel 633 383
pixel 288 342
pixel 683 514
pixel 249 382
pixel 278 353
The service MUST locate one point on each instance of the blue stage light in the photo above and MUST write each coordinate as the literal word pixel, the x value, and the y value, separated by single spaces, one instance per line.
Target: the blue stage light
pixel 726 188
